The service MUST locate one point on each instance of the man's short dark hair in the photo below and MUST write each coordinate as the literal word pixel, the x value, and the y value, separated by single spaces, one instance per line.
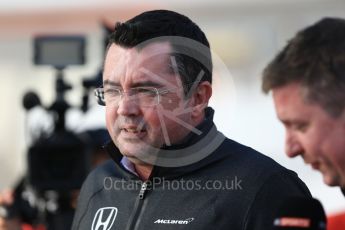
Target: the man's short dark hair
pixel 167 25
pixel 314 58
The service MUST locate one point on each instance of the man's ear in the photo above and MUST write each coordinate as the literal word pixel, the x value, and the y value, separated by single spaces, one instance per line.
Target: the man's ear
pixel 200 98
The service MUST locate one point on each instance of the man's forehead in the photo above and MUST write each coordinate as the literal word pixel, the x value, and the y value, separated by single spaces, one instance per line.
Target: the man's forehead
pixel 287 94
pixel 156 48
pixel 154 54
pixel 150 62
pixel 286 97
pixel 146 50
pixel 290 104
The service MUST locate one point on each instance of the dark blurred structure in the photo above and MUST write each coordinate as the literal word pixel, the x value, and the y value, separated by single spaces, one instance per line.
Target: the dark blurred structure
pixel 58 161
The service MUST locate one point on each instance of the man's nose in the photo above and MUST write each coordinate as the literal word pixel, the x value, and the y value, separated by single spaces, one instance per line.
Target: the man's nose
pixel 293 147
pixel 127 106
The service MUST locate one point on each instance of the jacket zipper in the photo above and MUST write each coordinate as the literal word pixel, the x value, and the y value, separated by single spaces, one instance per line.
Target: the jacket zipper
pixel 137 207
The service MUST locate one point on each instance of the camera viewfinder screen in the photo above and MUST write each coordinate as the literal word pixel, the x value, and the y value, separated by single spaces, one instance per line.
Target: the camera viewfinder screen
pixel 59 51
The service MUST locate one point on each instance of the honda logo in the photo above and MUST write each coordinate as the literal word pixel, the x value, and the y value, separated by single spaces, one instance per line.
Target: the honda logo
pixel 104 218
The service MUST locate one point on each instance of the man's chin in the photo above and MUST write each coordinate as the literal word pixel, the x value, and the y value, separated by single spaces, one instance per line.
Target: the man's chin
pixel 342 185
pixel 139 154
pixel 137 161
pixel 330 181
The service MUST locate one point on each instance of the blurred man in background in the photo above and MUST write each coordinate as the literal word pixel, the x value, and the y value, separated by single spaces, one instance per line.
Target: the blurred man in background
pixel 307 80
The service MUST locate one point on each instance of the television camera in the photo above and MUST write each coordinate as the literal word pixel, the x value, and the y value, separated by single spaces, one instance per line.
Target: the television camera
pixel 58 162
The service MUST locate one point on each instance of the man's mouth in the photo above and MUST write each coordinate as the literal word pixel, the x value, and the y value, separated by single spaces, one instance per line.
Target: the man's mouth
pixel 133 130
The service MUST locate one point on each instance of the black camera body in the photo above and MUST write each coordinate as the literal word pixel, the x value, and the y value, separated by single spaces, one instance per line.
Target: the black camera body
pixel 58 161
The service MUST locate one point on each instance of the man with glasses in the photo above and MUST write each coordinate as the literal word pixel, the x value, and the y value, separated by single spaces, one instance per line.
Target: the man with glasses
pixel 172 168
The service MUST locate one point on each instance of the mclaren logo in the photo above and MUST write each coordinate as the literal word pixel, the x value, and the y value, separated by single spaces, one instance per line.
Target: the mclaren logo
pixel 164 221
pixel 104 218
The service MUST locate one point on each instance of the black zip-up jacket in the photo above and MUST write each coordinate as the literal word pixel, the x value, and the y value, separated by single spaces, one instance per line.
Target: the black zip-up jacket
pixel 234 187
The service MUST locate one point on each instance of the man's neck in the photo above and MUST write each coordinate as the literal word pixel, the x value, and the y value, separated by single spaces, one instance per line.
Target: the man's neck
pixel 143 171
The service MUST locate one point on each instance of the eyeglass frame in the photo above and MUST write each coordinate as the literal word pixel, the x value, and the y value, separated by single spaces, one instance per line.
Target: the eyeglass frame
pixel 159 92
pixel 99 94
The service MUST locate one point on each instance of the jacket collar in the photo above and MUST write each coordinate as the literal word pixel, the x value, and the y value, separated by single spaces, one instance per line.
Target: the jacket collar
pixel 190 155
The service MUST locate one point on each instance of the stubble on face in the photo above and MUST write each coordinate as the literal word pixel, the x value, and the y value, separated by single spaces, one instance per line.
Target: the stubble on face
pixel 321 143
pixel 141 130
